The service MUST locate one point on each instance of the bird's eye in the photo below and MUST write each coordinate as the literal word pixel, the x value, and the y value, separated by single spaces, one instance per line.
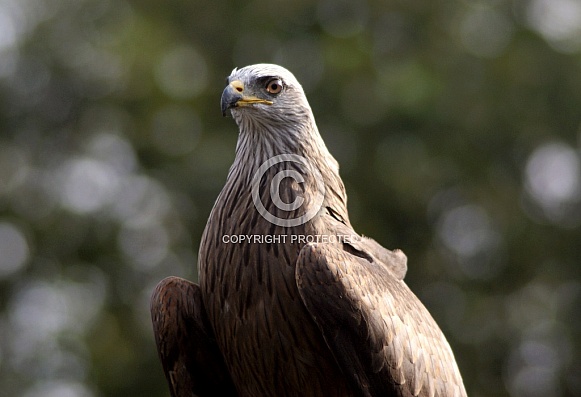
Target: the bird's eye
pixel 274 86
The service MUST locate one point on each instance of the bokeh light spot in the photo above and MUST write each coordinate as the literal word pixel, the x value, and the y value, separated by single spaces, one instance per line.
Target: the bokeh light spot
pixel 553 179
pixel 8 34
pixel 466 230
pixel 58 388
pixel 559 21
pixel 14 251
pixel 88 185
pixel 114 151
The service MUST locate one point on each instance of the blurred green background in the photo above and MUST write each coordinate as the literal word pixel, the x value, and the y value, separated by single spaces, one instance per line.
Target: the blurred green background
pixel 456 124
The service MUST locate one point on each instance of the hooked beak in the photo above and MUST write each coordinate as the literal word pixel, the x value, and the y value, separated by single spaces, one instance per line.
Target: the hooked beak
pixel 233 96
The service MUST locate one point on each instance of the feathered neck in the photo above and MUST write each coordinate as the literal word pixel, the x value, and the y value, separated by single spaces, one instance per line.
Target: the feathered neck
pixel 259 141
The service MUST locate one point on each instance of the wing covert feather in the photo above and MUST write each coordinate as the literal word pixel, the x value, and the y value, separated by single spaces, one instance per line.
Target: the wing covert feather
pixel 383 338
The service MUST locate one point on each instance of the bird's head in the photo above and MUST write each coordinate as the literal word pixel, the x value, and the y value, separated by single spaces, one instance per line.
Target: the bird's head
pixel 274 118
pixel 264 94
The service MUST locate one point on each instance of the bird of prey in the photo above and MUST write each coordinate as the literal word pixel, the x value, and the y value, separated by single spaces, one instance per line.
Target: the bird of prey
pixel 291 301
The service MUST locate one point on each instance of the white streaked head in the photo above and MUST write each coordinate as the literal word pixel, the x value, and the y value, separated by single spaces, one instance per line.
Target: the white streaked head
pixel 264 94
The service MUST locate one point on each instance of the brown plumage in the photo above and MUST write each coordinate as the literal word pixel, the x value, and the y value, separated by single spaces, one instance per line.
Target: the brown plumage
pixel 316 310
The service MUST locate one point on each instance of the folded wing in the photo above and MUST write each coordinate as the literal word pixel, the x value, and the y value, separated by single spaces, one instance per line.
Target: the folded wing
pixel 383 338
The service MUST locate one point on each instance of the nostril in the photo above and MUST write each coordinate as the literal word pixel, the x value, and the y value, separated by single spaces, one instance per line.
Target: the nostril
pixel 237 85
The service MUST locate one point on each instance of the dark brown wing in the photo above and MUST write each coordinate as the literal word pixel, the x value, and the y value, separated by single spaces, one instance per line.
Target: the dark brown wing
pixel 192 363
pixel 381 335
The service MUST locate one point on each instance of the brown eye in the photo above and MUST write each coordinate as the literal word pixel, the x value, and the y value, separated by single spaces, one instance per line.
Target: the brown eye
pixel 274 86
